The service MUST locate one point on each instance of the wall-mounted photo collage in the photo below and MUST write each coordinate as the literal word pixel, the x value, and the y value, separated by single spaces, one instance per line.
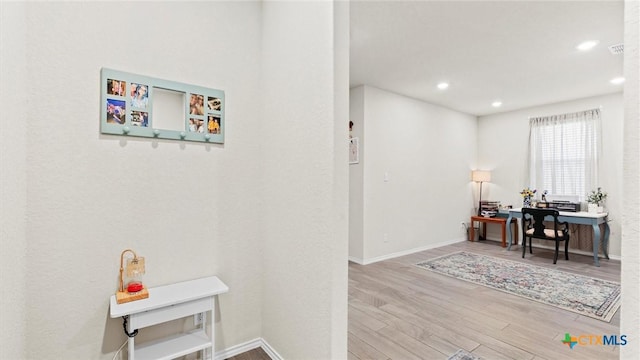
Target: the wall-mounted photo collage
pixel 137 105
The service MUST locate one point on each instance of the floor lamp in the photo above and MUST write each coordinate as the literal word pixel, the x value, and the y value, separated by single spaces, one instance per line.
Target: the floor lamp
pixel 480 176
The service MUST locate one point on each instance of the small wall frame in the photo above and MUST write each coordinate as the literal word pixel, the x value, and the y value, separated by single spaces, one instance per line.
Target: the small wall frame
pixel 137 105
pixel 354 150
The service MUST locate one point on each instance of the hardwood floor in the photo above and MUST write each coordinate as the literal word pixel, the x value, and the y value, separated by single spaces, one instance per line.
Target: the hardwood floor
pixel 255 354
pixel 399 311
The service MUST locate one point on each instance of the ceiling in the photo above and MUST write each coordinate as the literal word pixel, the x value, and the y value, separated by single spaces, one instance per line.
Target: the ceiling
pixel 522 53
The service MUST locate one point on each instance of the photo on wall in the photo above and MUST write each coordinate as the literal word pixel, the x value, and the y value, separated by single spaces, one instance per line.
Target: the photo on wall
pixel 116 87
pixel 140 118
pixel 354 149
pixel 116 111
pixel 213 125
pixel 196 125
pixel 196 104
pixel 214 104
pixel 139 95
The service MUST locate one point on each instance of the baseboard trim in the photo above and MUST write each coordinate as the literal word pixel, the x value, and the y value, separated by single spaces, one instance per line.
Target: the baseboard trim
pixel 404 252
pixel 273 354
pixel 248 346
pixel 238 349
pixel 432 246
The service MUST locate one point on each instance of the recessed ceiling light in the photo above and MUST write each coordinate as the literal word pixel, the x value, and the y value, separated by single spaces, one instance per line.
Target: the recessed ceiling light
pixel 496 103
pixel 443 85
pixel 587 45
pixel 617 81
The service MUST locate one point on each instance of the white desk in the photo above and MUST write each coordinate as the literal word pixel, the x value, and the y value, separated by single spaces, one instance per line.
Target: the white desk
pixel 170 302
pixel 581 217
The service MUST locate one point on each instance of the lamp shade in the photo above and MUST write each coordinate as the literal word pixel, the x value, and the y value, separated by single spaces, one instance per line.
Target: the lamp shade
pixel 480 175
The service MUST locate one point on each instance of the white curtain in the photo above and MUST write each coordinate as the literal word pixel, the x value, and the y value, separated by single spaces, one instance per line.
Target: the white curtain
pixel 564 152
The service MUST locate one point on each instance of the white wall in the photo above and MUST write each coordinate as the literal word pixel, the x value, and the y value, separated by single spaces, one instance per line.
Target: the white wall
pixel 427 153
pixel 188 208
pixel 266 211
pixel 305 175
pixel 13 190
pixel 338 267
pixel 503 142
pixel 631 185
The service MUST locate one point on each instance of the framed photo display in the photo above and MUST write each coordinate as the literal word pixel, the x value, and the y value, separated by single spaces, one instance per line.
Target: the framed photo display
pixel 354 151
pixel 137 105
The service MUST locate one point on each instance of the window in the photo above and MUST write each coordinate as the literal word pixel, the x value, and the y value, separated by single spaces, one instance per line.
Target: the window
pixel 564 152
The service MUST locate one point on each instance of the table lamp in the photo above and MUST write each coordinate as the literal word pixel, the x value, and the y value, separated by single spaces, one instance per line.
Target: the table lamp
pixel 133 288
pixel 480 176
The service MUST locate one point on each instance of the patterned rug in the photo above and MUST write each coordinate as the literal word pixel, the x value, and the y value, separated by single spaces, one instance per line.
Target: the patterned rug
pixel 463 355
pixel 599 299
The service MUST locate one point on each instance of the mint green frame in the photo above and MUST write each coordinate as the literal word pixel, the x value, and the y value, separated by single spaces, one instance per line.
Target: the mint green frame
pixel 128 129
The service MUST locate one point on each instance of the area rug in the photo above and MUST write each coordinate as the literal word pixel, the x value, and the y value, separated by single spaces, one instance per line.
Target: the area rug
pixel 463 355
pixel 599 299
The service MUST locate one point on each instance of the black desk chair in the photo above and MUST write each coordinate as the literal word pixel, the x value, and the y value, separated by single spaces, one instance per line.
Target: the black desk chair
pixel 533 227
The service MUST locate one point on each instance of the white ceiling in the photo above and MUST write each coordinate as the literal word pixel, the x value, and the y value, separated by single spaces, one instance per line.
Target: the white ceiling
pixel 520 52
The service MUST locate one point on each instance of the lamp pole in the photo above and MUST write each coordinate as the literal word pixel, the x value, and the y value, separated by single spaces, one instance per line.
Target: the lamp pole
pixel 480 201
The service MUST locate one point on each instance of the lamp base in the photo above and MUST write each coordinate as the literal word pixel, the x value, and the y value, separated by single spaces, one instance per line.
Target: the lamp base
pixel 125 297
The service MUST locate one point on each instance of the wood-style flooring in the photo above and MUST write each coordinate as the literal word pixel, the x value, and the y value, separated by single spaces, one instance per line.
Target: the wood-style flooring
pixel 255 354
pixel 399 311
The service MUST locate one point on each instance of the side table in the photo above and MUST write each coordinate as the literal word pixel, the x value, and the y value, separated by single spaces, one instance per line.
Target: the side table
pixel 170 302
pixel 494 220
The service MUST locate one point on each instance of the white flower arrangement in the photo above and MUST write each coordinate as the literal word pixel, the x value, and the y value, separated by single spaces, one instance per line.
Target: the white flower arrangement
pixel 596 196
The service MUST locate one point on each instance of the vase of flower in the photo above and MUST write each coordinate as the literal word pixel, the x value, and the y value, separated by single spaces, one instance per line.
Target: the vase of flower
pixel 527 195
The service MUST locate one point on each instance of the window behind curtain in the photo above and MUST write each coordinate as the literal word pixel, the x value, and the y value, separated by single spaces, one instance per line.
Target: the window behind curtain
pixel 564 153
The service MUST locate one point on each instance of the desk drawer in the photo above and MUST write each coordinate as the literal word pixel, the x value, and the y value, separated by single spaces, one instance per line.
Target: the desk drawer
pixel 168 313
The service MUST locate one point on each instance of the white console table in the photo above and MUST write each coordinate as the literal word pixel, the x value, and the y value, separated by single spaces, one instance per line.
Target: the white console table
pixel 170 302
